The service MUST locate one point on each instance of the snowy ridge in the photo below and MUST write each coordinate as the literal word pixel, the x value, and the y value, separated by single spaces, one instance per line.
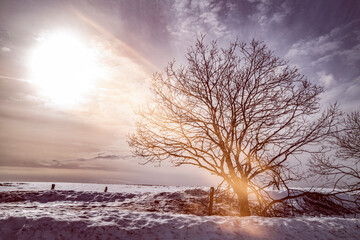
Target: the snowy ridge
pixel 70 196
pixel 144 212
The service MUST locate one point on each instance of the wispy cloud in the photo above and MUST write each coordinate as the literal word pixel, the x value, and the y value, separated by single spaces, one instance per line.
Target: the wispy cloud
pixel 347 93
pixel 267 12
pixel 338 43
pixel 327 79
pixel 99 160
pixel 5 49
pixel 190 18
pixel 332 60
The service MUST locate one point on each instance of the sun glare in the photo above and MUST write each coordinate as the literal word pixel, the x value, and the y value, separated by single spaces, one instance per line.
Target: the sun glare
pixel 64 68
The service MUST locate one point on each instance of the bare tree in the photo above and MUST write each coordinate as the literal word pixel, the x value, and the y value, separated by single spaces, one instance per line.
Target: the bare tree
pixel 238 112
pixel 342 163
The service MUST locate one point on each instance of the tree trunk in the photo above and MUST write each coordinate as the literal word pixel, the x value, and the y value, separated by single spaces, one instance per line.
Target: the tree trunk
pixel 242 194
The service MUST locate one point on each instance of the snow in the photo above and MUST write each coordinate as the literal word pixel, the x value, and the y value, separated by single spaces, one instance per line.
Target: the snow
pixel 84 211
pixel 41 186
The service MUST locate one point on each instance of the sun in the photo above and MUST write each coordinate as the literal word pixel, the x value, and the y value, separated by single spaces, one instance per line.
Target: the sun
pixel 64 68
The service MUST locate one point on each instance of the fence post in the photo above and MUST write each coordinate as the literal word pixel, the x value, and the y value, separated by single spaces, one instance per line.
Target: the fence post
pixel 52 186
pixel 211 200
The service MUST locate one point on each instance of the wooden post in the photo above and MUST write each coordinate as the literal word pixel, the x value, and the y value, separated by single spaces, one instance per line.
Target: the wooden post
pixel 105 189
pixel 211 200
pixel 52 186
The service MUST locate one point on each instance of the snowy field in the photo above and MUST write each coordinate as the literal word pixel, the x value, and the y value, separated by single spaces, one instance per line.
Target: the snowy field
pixel 84 211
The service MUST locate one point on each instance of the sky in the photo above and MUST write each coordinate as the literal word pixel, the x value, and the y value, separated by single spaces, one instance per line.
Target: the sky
pixel 61 127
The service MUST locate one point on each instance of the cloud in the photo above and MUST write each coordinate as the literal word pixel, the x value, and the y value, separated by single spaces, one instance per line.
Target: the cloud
pixel 58 164
pixel 326 79
pixel 321 46
pixel 346 93
pixel 104 156
pixel 109 156
pixel 336 44
pixel 99 160
pixel 353 89
pixel 267 12
pixel 31 132
pixel 332 60
pixel 5 49
pixel 190 18
pixel 349 56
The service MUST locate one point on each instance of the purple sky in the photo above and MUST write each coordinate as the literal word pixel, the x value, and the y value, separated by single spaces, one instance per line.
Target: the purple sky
pixel 42 141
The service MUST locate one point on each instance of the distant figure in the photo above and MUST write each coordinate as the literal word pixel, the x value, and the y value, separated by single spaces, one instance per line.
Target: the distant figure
pixel 105 189
pixel 52 186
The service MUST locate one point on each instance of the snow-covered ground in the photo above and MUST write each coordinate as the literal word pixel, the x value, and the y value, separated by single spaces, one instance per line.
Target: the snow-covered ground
pixel 84 211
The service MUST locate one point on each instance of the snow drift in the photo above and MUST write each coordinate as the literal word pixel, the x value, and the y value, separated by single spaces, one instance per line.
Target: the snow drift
pixel 143 212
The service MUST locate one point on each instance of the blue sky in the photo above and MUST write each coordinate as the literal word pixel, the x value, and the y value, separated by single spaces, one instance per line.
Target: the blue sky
pixel 86 142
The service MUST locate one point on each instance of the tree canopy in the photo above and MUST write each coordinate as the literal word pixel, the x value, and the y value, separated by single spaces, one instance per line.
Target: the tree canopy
pixel 238 112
